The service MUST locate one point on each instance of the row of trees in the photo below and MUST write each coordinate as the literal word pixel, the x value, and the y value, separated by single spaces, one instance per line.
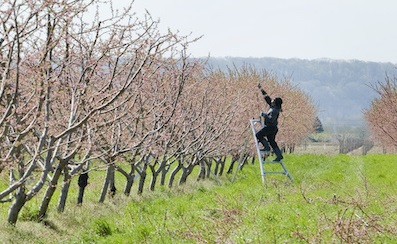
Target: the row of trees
pixel 78 93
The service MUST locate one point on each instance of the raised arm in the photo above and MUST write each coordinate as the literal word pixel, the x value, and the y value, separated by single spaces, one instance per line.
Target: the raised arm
pixel 265 96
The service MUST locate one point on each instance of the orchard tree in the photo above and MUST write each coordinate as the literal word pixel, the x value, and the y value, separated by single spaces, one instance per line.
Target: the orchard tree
pixel 60 74
pixel 202 124
pixel 230 93
pixel 381 116
pixel 143 131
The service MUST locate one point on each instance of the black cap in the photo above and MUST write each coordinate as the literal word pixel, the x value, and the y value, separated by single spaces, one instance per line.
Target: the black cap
pixel 278 101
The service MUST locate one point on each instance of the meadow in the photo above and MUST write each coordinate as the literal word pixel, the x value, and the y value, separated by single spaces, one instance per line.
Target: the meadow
pixel 333 199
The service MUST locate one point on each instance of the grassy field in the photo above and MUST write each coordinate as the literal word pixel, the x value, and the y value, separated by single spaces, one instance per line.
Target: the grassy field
pixel 333 199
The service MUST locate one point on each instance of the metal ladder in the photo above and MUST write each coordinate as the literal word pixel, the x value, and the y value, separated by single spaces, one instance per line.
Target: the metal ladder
pixel 262 156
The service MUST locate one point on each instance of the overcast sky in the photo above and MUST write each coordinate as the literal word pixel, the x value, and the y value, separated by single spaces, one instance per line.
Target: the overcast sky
pixel 307 29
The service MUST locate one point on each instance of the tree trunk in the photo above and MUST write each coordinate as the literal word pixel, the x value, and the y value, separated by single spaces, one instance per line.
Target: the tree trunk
pixel 208 165
pixel 220 165
pixel 230 170
pixel 128 185
pixel 233 161
pixel 216 168
pixel 142 179
pixel 64 191
pixel 112 191
pixel 50 191
pixel 173 174
pixel 66 184
pixel 202 173
pixel 20 194
pixel 16 206
pixel 243 162
pixel 130 177
pixel 185 173
pixel 162 168
pixel 106 183
pixel 153 181
pixel 164 174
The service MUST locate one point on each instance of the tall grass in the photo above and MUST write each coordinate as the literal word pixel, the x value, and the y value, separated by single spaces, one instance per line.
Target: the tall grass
pixel 333 199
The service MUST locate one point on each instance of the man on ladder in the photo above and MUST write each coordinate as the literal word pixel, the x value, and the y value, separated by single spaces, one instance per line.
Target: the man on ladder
pixel 270 129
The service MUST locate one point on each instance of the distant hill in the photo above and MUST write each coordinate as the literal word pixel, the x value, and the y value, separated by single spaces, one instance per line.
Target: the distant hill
pixel 340 89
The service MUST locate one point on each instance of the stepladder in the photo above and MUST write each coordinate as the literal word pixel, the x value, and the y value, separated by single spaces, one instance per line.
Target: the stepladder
pixel 264 161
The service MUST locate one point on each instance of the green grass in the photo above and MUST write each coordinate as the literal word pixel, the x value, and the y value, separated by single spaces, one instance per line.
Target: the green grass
pixel 333 199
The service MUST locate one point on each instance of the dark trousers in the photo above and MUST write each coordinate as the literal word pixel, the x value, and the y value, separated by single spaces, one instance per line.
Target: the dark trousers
pixel 270 133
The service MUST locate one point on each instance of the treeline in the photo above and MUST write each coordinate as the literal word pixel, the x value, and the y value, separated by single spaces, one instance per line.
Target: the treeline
pixel 328 71
pixel 79 93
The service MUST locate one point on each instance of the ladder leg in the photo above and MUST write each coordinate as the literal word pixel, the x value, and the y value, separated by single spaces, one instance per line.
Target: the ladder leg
pixel 286 171
pixel 261 159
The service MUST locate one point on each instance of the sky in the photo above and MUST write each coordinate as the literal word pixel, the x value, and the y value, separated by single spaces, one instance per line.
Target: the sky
pixel 305 29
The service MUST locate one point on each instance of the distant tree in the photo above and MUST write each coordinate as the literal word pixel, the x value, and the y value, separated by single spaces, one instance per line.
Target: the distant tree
pixel 318 126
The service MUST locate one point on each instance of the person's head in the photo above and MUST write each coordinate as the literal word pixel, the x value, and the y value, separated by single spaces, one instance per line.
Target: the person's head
pixel 277 102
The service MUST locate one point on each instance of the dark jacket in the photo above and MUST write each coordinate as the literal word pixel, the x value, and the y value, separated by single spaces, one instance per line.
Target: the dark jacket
pixel 271 117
